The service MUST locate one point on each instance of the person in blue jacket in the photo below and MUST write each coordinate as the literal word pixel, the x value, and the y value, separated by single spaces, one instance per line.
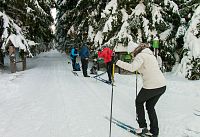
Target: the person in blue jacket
pixel 73 55
pixel 84 55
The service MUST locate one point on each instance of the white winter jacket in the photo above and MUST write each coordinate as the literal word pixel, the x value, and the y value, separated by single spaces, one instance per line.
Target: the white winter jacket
pixel 146 64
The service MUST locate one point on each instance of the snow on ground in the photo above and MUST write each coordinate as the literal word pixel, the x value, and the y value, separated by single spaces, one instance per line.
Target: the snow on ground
pixel 47 100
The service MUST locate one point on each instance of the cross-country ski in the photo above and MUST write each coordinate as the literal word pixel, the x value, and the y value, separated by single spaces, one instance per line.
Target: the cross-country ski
pixel 103 80
pixel 126 127
pixel 75 73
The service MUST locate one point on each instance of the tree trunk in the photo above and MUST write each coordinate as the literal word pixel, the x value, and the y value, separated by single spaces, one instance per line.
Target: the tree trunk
pixel 1 58
pixel 23 57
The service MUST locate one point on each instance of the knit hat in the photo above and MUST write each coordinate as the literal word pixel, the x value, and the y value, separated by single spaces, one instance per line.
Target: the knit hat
pixel 131 46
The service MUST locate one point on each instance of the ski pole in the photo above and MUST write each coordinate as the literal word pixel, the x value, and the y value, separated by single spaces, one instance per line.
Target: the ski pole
pixel 111 104
pixel 136 83
pixel 113 72
pixel 136 91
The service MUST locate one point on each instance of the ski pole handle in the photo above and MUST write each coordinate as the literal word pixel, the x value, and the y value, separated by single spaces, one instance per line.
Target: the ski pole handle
pixel 113 71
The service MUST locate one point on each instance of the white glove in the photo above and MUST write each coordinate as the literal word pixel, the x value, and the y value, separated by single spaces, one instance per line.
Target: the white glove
pixel 118 62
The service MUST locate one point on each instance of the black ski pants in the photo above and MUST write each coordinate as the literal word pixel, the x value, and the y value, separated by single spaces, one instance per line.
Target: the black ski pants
pixel 109 70
pixel 84 63
pixel 151 97
pixel 73 63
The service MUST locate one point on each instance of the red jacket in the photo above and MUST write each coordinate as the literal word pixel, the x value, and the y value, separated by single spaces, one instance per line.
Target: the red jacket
pixel 106 54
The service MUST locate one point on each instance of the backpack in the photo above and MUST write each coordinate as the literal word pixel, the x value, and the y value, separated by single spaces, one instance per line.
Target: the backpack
pixel 77 67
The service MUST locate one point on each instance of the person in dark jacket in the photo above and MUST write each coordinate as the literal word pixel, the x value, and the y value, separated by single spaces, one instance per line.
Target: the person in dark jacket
pixel 84 55
pixel 73 55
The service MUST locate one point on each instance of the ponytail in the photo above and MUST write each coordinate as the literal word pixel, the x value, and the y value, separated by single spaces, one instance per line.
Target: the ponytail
pixel 140 48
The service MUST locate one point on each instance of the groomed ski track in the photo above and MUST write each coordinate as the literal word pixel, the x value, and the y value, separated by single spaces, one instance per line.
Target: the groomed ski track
pixel 47 100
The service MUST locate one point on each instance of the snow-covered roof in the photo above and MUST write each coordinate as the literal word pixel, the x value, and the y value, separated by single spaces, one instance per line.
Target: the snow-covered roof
pixel 15 36
pixel 17 41
pixel 120 48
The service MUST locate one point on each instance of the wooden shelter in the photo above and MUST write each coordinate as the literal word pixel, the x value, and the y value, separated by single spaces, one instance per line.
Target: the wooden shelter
pixel 122 54
pixel 16 55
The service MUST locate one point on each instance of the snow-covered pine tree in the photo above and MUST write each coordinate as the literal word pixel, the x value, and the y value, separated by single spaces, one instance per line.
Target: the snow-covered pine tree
pixel 37 22
pixel 190 62
pixel 108 25
pixel 138 21
pixel 33 17
pixel 10 28
pixel 78 21
pixel 141 20
pixel 65 14
pixel 113 21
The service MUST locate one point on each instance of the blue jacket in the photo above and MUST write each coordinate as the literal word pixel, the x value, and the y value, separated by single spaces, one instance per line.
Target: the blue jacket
pixel 84 53
pixel 74 53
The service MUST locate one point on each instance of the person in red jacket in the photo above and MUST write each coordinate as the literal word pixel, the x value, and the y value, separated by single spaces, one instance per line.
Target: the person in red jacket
pixel 107 54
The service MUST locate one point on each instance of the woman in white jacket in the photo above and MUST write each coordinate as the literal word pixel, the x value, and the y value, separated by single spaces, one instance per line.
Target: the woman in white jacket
pixel 154 85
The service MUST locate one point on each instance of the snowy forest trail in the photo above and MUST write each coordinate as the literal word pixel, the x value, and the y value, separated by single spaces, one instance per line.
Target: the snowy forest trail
pixel 47 100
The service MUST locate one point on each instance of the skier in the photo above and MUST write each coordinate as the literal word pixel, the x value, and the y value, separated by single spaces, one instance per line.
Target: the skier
pixel 84 54
pixel 93 69
pixel 106 54
pixel 73 55
pixel 154 85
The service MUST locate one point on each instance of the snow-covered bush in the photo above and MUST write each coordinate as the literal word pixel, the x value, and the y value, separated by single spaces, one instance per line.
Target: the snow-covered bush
pixel 191 59
pixel 194 72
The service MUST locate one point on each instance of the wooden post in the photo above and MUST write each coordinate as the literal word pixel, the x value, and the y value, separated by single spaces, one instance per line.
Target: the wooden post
pixel 12 58
pixel 24 62
pixel 23 56
pixel 1 58
pixel 1 54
